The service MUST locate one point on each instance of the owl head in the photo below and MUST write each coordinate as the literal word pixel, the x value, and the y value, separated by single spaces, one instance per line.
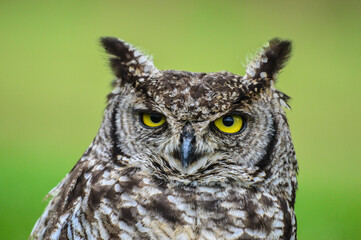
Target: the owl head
pixel 200 128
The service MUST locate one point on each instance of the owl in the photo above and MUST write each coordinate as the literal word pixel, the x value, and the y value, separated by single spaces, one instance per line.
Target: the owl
pixel 183 155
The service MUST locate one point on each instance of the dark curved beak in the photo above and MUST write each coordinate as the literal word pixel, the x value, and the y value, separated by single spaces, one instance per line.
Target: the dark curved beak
pixel 187 148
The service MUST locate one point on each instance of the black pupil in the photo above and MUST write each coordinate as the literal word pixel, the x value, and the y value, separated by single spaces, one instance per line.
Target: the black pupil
pixel 228 121
pixel 156 118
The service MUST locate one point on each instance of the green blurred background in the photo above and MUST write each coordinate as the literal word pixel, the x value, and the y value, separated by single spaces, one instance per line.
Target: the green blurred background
pixel 54 78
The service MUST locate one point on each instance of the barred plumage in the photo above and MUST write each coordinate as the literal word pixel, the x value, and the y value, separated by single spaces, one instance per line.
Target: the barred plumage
pixel 161 167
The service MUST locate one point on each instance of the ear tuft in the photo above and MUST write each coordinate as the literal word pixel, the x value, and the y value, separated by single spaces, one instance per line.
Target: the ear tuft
pixel 115 46
pixel 270 60
pixel 128 63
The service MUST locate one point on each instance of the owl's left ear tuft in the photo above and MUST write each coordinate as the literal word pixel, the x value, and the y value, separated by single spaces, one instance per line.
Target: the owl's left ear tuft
pixel 270 60
pixel 115 46
pixel 128 63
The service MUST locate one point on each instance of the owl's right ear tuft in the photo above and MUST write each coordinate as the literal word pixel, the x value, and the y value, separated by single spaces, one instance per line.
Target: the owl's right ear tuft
pixel 270 60
pixel 128 63
pixel 262 71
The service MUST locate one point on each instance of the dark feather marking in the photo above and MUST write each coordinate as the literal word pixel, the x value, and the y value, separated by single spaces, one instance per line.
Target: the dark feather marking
pixel 64 232
pixel 210 205
pixel 128 215
pixel 233 196
pixel 97 191
pixel 67 192
pixel 248 91
pixel 266 201
pixel 293 199
pixel 176 154
pixel 157 166
pixel 85 236
pixel 82 216
pixel 123 59
pixel 283 96
pixel 254 221
pixel 246 236
pixel 131 184
pixel 161 183
pixel 115 47
pixel 85 154
pixel 111 194
pixel 72 229
pixel 209 168
pixel 166 163
pixel 277 53
pixel 116 151
pixel 287 221
pixel 110 96
pixel 266 159
pixel 295 227
pixel 162 206
pixel 112 230
pixel 133 181
pixel 95 197
pixel 120 70
pixel 77 191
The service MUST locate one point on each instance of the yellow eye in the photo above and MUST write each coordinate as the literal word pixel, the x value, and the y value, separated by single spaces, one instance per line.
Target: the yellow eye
pixel 229 124
pixel 152 120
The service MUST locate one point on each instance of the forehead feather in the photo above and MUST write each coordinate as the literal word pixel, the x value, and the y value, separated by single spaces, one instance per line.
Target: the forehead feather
pixel 192 96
